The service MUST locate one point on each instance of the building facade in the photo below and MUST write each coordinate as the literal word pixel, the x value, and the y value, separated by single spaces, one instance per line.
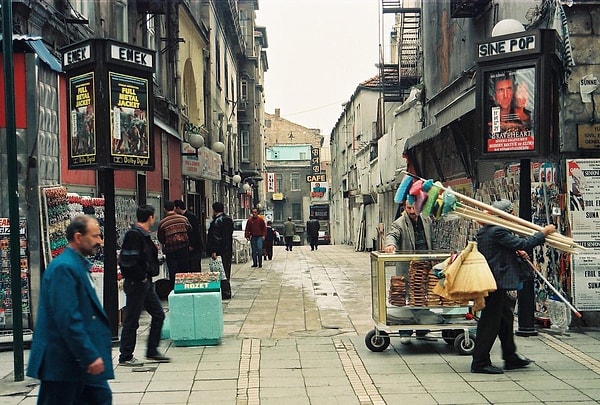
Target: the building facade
pixel 209 59
pixel 449 55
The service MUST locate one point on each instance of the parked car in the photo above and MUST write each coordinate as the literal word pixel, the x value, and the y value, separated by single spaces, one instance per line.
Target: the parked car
pixel 324 238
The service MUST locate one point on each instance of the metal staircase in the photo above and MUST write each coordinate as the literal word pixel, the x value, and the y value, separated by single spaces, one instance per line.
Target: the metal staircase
pixel 398 78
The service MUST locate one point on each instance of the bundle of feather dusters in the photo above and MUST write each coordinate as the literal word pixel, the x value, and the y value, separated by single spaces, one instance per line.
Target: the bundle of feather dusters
pixel 429 198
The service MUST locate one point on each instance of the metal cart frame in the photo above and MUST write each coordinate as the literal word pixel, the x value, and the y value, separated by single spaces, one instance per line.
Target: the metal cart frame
pixel 459 322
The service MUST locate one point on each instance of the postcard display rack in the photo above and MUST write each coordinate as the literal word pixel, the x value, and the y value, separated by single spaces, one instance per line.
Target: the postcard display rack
pixel 60 206
pixel 6 302
pixel 403 303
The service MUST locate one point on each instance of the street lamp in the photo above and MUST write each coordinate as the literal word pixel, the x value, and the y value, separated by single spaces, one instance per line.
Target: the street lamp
pixel 218 147
pixel 236 179
pixel 193 136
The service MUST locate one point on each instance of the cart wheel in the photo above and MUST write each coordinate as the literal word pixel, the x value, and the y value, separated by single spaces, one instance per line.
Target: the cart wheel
pixel 377 342
pixel 462 346
pixel 449 335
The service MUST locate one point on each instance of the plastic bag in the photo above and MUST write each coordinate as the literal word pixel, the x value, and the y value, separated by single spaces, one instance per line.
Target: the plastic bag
pixel 216 266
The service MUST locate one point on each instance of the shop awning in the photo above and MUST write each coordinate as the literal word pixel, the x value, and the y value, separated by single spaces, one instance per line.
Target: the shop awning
pixel 423 135
pixel 167 128
pixel 37 45
pixel 457 108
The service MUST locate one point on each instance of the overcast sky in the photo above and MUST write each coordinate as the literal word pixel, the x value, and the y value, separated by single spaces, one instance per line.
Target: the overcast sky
pixel 319 51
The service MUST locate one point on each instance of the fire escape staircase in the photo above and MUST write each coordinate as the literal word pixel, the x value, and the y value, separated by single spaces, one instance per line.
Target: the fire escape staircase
pixel 397 79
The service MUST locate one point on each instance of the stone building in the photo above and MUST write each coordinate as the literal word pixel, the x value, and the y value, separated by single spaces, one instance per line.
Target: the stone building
pixel 448 54
pixel 206 93
pixel 289 182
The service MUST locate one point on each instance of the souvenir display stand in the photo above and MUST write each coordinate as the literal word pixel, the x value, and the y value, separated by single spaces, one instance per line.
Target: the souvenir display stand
pixel 196 310
pixel 59 207
pixel 6 302
pixel 404 305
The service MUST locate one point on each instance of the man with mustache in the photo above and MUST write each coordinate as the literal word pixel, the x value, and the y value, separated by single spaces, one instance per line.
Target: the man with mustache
pixel 71 348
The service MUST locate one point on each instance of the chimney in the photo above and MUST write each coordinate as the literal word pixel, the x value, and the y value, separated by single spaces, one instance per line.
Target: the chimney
pixel 278 113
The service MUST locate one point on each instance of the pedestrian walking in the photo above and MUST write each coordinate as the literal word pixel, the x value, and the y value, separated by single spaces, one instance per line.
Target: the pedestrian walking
pixel 71 347
pixel 256 231
pixel 139 262
pixel 268 242
pixel 499 245
pixel 173 232
pixel 219 242
pixel 195 247
pixel 289 230
pixel 312 231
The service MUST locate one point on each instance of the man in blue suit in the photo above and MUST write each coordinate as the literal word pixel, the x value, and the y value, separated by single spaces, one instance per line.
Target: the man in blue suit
pixel 71 348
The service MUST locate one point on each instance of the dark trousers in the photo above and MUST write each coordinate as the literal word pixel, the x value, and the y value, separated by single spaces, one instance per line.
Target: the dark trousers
pixel 268 250
pixel 225 284
pixel 195 260
pixel 314 241
pixel 73 393
pixel 140 295
pixel 289 242
pixel 177 262
pixel 496 320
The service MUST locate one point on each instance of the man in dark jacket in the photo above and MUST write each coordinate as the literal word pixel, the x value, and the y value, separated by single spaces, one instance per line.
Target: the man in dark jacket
pixel 220 243
pixel 194 235
pixel 138 262
pixel 312 231
pixel 71 348
pixel 499 245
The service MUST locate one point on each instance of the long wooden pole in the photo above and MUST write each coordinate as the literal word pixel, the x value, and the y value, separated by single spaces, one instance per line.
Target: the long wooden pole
pixel 494 210
pixel 554 290
pixel 556 240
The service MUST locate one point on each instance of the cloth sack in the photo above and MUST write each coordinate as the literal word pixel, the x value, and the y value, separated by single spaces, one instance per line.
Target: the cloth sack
pixel 216 266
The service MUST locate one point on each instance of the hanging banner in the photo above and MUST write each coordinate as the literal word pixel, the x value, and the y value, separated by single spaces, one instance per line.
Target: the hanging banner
pixel 270 183
pixel 315 160
pixel 583 185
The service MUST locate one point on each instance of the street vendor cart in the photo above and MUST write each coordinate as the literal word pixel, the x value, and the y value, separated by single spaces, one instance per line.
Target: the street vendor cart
pixel 404 304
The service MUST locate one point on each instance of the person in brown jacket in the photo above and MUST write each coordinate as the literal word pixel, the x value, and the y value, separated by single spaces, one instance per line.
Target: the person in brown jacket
pixel 173 231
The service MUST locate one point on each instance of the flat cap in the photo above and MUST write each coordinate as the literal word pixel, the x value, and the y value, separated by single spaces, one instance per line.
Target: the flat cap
pixel 503 205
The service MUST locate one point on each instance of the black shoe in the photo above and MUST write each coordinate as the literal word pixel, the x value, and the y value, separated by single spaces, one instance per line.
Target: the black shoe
pixel 259 266
pixel 226 296
pixel 516 363
pixel 254 265
pixel 159 358
pixel 491 369
pixel 312 248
